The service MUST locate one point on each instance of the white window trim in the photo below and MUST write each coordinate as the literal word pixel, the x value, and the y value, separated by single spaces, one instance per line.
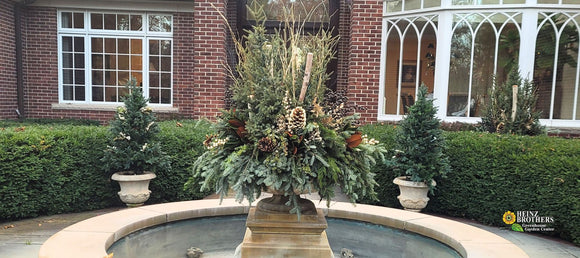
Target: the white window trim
pixel 529 12
pixel 145 35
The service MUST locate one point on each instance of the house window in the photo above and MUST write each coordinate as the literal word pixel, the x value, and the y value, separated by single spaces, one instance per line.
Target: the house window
pixel 556 70
pixel 410 61
pixel 100 51
pixel 483 45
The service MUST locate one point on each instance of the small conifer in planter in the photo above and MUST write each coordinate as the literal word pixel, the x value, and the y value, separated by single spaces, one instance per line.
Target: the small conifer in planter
pixel 133 152
pixel 419 158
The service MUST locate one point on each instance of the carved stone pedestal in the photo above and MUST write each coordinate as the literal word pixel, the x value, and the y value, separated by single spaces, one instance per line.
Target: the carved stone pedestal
pixel 283 235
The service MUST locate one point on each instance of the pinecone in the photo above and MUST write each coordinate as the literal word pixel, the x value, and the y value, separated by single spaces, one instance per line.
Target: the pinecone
pixel 266 145
pixel 297 119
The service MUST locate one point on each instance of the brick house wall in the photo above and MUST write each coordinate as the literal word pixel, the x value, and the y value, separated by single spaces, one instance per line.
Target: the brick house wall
pixel 202 45
pixel 365 56
pixel 8 95
pixel 209 73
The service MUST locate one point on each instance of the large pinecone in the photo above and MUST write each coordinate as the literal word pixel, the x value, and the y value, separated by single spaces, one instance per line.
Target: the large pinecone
pixel 266 145
pixel 297 119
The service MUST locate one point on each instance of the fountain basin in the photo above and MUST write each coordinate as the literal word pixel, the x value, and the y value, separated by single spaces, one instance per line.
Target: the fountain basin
pixel 92 237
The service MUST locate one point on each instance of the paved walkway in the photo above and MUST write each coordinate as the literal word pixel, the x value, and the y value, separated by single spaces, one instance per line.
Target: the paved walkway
pixel 22 239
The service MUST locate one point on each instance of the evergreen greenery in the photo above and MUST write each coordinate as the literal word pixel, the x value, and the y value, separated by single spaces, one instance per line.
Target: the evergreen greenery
pixel 132 147
pixel 420 143
pixel 273 137
pixel 497 114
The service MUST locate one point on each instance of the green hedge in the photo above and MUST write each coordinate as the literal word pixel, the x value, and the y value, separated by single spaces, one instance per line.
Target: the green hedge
pixel 493 173
pixel 51 169
pixel 54 168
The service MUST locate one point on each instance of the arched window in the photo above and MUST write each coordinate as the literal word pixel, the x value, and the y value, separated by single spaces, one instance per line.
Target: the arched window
pixel 483 46
pixel 556 70
pixel 411 45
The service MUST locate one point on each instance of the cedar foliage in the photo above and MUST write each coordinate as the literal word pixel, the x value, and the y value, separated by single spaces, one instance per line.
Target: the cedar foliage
pixel 497 114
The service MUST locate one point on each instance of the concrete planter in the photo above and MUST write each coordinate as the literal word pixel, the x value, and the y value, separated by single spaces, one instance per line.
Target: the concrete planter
pixel 134 188
pixel 413 194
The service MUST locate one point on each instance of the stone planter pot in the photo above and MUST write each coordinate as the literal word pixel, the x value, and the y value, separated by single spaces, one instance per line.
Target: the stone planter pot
pixel 413 194
pixel 134 188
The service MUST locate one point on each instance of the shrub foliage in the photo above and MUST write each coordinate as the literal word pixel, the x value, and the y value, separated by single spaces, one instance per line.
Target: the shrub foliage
pixel 53 169
pixel 494 173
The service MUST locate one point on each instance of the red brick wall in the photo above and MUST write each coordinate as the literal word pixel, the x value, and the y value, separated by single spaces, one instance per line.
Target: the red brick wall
pixel 41 68
pixel 8 97
pixel 343 53
pixel 209 74
pixel 183 63
pixel 365 55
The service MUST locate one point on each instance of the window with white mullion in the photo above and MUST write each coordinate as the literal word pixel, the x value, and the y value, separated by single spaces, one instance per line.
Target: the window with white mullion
pixel 72 63
pixel 160 70
pixel 410 61
pixel 556 65
pixel 99 51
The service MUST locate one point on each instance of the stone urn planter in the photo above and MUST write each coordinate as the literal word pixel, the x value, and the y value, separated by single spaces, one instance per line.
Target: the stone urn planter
pixel 413 194
pixel 134 188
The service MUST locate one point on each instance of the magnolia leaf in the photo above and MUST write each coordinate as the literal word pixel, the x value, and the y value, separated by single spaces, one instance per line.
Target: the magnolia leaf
pixel 517 227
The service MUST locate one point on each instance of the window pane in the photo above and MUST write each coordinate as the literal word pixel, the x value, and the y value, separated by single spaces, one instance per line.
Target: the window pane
pixel 483 63
pixel 111 94
pixel 67 44
pixel 161 23
pixel 154 47
pixel 544 67
pixel 97 21
pixel 154 63
pixel 79 44
pixel 110 21
pixel 547 1
pixel 123 62
pixel 165 47
pixel 123 92
pixel 154 95
pixel 79 20
pixel 166 64
pixel 67 60
pixel 136 22
pixel 79 77
pixel 67 92
pixel 123 22
pixel 459 70
pixel 431 3
pixel 110 62
pixel 304 10
pixel 67 76
pixel 391 98
pixel 136 46
pixel 123 46
pixel 110 45
pixel 97 61
pixel 165 80
pixel 97 45
pixel 98 94
pixel 154 80
pixel 111 78
pixel 66 20
pixel 412 4
pixel 97 78
pixel 514 1
pixel 165 96
pixel 80 93
pixel 123 78
pixel 79 60
pixel 136 63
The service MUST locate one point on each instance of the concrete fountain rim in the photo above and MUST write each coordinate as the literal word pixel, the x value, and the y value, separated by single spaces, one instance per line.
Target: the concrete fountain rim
pixel 92 237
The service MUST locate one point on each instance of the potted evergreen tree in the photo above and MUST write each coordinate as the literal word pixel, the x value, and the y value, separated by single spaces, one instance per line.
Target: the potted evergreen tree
pixel 419 158
pixel 133 154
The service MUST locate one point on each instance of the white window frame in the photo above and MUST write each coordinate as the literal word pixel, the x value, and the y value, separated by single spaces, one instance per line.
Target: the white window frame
pixel 446 12
pixel 87 33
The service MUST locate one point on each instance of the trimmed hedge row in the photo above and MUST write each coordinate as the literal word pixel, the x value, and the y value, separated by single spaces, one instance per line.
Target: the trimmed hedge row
pixel 51 169
pixel 494 173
